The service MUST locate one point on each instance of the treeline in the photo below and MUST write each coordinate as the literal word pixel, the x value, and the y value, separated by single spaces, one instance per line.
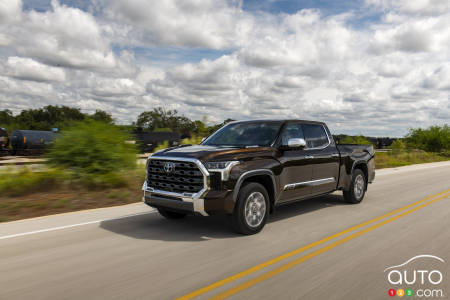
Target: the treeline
pixel 49 117
pixel 431 139
pixel 158 119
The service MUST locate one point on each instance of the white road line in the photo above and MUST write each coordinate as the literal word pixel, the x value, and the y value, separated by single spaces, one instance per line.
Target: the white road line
pixel 70 226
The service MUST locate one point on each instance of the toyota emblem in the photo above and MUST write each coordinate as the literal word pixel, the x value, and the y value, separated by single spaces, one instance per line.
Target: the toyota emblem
pixel 169 167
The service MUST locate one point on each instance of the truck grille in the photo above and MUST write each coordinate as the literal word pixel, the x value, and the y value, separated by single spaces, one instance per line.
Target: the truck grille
pixel 181 177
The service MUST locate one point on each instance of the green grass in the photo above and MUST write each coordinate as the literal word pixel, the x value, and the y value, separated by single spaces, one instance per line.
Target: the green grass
pixel 404 158
pixel 23 181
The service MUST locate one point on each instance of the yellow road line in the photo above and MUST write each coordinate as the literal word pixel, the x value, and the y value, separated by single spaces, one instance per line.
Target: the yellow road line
pixel 298 261
pixel 297 251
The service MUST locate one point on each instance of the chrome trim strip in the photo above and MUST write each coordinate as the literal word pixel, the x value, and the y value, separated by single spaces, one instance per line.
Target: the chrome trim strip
pixel 197 198
pixel 316 182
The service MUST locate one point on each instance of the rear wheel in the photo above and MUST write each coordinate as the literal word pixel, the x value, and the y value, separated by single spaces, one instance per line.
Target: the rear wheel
pixel 357 187
pixel 251 210
pixel 171 214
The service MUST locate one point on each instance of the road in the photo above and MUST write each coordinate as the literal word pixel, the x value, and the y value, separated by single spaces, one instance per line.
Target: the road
pixel 316 249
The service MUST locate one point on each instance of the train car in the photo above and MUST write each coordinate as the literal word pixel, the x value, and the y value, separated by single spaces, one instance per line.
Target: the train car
pixel 148 141
pixel 4 142
pixel 30 142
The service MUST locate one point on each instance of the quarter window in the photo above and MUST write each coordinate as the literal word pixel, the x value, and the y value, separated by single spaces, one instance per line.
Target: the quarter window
pixel 315 136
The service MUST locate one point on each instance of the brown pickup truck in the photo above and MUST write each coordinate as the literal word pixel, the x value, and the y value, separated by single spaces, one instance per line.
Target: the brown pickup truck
pixel 247 168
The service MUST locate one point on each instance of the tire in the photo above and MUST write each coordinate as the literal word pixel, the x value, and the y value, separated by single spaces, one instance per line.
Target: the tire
pixel 357 188
pixel 253 200
pixel 171 214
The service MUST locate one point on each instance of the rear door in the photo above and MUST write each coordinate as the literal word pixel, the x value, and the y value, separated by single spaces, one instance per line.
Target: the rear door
pixel 296 167
pixel 324 157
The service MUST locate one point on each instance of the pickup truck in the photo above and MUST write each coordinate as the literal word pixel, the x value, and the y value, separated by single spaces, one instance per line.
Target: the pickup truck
pixel 247 168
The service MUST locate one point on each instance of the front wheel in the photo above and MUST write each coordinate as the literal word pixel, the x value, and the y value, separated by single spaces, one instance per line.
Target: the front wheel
pixel 251 210
pixel 357 187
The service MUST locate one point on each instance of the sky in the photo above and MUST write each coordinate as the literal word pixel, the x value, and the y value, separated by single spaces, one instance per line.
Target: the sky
pixel 372 67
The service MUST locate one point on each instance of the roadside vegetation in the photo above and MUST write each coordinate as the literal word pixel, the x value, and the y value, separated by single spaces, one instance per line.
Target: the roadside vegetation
pixel 406 157
pixel 89 165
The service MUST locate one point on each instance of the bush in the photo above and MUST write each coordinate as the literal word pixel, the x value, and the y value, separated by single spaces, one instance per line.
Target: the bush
pixel 26 181
pixel 432 139
pixel 93 151
pixel 398 146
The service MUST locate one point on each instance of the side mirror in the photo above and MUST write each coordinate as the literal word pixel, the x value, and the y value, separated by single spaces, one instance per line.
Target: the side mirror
pixel 296 143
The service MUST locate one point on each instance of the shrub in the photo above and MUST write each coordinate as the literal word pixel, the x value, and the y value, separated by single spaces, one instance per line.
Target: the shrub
pixel 398 146
pixel 94 152
pixel 26 181
pixel 432 139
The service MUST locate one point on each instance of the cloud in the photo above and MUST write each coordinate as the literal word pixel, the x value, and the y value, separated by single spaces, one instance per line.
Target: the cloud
pixel 380 78
pixel 29 69
pixel 64 36
pixel 192 23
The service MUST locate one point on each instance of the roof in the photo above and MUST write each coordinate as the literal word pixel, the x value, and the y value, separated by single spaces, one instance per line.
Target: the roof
pixel 280 120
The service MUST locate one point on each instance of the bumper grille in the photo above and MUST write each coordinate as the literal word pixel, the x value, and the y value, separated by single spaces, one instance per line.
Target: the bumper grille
pixel 183 177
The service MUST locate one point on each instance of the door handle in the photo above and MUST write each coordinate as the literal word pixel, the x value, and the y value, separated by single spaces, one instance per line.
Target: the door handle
pixel 309 156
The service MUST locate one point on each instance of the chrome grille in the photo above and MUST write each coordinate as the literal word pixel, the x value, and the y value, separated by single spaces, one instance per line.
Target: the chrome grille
pixel 185 177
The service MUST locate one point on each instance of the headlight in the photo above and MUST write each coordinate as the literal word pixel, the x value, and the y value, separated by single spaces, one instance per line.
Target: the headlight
pixel 223 167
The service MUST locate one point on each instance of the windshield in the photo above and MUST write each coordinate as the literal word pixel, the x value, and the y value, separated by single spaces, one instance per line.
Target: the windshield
pixel 245 134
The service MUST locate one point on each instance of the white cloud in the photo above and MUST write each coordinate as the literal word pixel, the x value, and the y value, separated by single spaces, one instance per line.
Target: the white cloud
pixel 214 24
pixel 29 69
pixel 10 11
pixel 64 36
pixel 380 79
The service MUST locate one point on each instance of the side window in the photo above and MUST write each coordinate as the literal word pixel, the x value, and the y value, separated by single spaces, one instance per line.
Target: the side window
pixel 315 135
pixel 291 131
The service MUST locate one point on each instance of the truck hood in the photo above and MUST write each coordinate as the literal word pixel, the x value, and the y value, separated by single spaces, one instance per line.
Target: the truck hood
pixel 209 153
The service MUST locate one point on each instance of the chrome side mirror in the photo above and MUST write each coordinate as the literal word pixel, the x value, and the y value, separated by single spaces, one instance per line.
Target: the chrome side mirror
pixel 296 143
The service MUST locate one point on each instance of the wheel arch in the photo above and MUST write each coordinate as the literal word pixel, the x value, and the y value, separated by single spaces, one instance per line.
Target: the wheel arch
pixel 361 165
pixel 264 177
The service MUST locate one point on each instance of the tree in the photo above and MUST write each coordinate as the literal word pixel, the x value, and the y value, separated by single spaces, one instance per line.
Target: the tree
pixel 432 139
pixel 102 116
pixel 48 117
pixel 6 117
pixel 161 118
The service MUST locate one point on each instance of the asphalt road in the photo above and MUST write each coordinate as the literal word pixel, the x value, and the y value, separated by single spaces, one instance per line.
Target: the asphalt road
pixel 315 249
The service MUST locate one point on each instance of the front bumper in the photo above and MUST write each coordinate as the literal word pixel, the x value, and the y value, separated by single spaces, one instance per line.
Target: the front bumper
pixel 173 201
pixel 213 203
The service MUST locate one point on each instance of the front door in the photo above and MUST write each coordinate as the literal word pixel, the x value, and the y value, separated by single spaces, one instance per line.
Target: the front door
pixel 296 166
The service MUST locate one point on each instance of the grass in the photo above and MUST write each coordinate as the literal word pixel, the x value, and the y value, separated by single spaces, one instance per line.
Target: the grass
pixel 404 158
pixel 27 194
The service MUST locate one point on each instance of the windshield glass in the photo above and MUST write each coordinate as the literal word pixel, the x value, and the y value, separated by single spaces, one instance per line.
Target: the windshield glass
pixel 245 134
